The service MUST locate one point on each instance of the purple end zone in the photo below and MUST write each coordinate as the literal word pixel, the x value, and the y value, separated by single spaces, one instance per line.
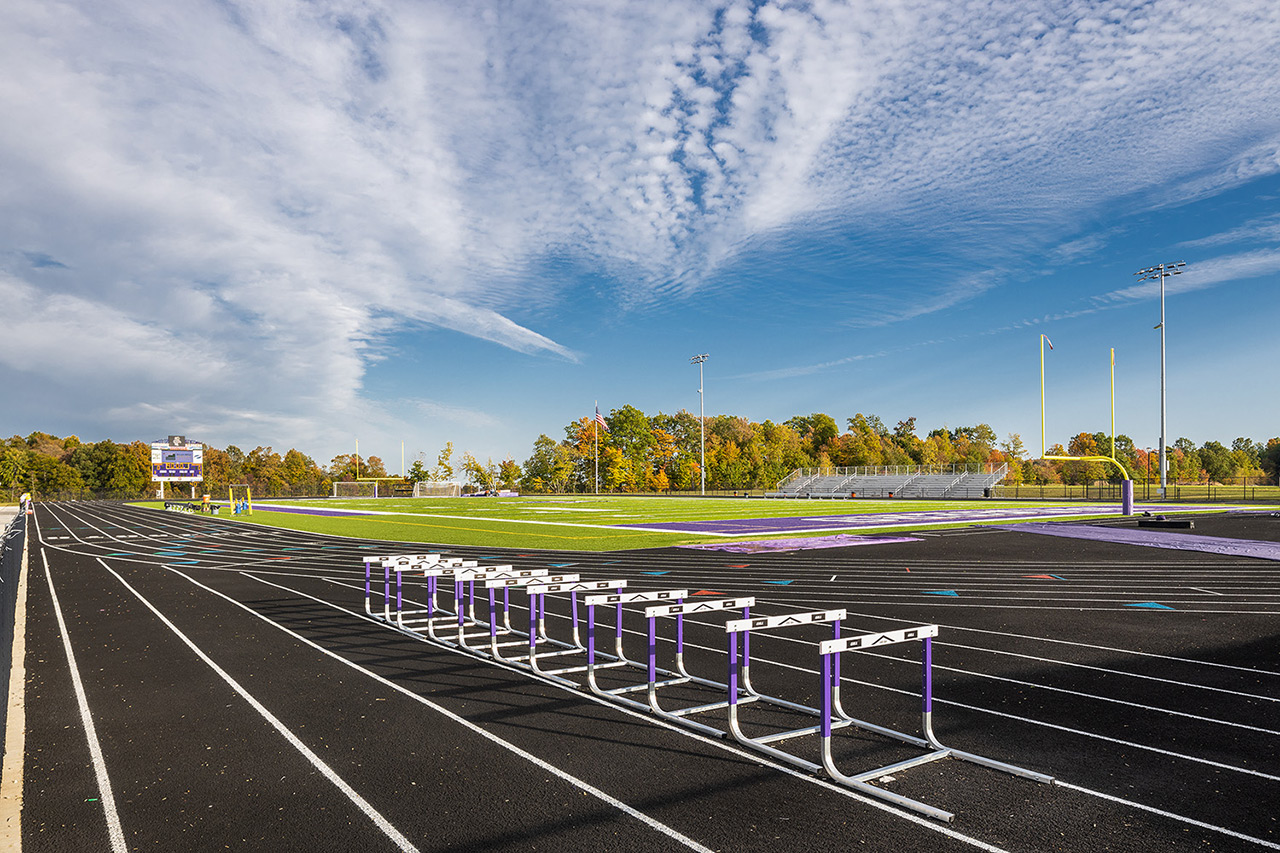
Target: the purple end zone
pixel 1155 539
pixel 764 546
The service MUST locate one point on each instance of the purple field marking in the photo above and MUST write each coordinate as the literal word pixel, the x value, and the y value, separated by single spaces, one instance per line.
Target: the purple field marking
pixel 1156 539
pixel 814 523
pixel 761 546
pixel 305 510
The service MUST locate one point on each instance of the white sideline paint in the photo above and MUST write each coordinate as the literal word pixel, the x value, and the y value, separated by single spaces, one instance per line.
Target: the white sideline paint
pixel 651 822
pixel 373 814
pixel 114 830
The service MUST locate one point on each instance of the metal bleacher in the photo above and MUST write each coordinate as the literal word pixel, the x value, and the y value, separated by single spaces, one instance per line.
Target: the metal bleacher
pixel 891 481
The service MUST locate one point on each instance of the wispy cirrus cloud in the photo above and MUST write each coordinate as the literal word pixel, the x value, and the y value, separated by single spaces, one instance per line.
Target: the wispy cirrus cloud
pixel 281 185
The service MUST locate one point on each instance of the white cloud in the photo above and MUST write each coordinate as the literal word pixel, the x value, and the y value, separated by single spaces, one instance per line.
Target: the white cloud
pixel 275 187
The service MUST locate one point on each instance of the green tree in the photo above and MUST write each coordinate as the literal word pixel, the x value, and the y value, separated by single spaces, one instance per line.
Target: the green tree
pixel 443 472
pixel 509 473
pixel 130 469
pixel 817 430
pixel 1218 462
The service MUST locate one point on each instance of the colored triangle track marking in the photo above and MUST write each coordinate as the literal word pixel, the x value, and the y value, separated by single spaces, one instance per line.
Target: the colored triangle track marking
pixel 279 558
pixel 121 554
pixel 655 573
pixel 706 592
pixel 184 562
pixel 1151 605
pixel 942 592
pixel 1041 577
pixel 1057 577
pixel 779 583
pixel 737 565
pixel 561 565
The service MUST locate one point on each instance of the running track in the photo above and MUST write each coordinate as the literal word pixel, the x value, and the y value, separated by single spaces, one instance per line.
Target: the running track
pixel 197 684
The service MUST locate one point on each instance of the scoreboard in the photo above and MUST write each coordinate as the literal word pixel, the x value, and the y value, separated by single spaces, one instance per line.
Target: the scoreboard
pixel 175 461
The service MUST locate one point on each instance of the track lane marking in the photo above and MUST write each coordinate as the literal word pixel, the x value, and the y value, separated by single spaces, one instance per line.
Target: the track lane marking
pixel 316 761
pixel 719 744
pixel 114 831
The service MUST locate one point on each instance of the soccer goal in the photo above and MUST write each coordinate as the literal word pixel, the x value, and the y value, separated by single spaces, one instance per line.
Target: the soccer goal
pixel 436 489
pixel 355 489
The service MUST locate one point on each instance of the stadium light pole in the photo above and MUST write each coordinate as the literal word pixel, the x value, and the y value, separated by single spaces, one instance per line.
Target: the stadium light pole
pixel 1161 272
pixel 702 422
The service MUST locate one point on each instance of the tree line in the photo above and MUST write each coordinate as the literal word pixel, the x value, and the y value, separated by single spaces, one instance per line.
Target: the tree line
pixel 663 452
pixel 635 452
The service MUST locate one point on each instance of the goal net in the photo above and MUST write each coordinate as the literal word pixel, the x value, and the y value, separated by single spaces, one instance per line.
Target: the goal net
pixel 355 489
pixel 435 489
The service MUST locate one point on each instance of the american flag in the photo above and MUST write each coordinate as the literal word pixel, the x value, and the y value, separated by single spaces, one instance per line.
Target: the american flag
pixel 600 419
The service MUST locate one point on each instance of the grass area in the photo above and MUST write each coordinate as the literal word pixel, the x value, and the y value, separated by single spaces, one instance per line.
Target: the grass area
pixel 583 522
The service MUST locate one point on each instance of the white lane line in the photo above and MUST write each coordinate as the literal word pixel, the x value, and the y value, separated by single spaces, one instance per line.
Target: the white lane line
pixel 114 830
pixel 911 817
pixel 1163 813
pixel 373 814
pixel 1198 589
pixel 975 708
pixel 649 821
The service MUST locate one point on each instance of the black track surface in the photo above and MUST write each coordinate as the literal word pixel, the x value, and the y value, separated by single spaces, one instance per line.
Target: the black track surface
pixel 1161 725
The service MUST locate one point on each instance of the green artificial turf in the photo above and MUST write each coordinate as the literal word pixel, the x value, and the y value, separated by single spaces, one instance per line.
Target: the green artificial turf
pixel 575 523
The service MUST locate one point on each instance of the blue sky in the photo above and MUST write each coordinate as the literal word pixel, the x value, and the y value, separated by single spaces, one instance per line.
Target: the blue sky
pixel 303 224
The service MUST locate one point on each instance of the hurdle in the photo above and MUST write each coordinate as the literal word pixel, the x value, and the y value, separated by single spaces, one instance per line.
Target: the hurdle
pixel 401 562
pixel 466 616
pixel 573 589
pixel 505 584
pixel 682 674
pixel 830 649
pixel 620 659
pixel 434 613
pixel 538 624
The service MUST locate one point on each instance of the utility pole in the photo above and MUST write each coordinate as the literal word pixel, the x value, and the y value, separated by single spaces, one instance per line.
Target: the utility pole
pixel 1161 272
pixel 702 421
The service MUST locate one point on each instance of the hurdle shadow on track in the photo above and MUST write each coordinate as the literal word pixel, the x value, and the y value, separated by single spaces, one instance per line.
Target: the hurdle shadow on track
pixel 441 674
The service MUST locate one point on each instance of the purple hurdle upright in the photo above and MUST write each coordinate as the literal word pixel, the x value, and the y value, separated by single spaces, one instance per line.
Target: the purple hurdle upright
pixel 739 634
pixel 387 564
pixel 682 674
pixel 935 750
pixel 618 599
pixel 538 625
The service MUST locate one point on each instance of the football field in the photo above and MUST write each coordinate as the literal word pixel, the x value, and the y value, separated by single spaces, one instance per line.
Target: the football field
pixel 595 523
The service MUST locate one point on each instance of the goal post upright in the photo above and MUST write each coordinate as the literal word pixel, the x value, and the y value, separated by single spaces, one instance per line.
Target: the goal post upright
pixel 1126 486
pixel 248 496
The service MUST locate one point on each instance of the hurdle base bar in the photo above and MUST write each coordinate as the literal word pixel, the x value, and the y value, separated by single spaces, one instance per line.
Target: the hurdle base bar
pixel 830 650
